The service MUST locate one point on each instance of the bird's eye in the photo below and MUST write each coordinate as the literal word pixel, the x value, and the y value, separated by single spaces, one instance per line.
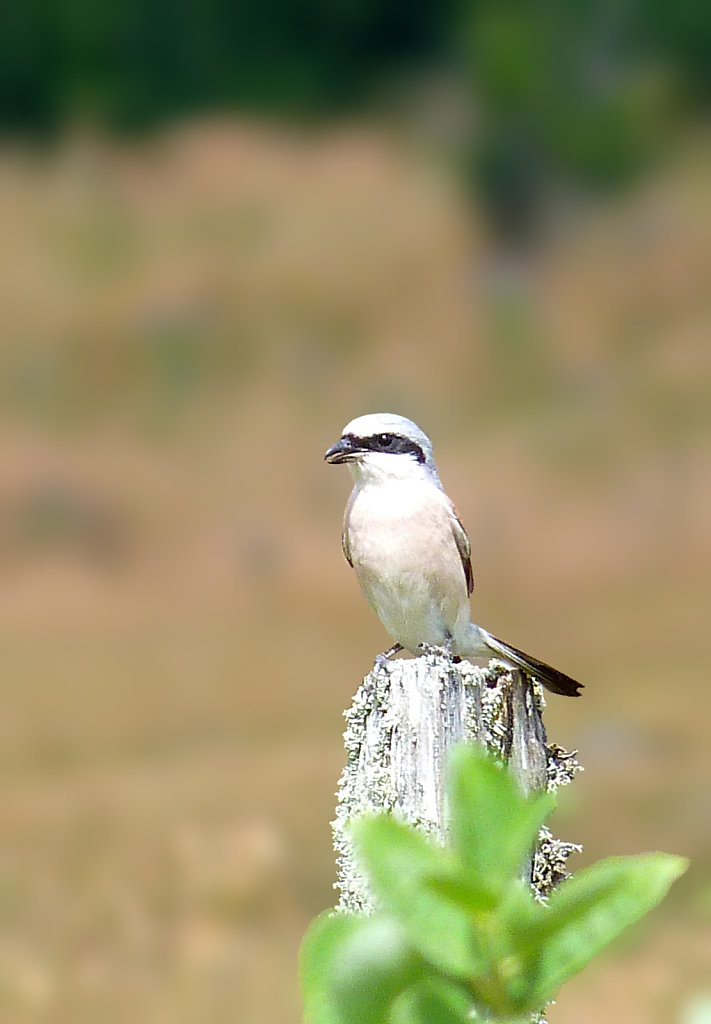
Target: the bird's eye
pixel 384 440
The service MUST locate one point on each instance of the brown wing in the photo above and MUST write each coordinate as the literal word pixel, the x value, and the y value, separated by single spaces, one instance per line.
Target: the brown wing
pixel 346 546
pixel 345 543
pixel 464 549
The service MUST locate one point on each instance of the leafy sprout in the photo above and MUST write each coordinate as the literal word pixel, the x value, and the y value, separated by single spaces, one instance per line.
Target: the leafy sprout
pixel 458 935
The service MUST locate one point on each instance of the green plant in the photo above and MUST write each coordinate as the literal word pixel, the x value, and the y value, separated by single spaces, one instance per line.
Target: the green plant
pixel 459 935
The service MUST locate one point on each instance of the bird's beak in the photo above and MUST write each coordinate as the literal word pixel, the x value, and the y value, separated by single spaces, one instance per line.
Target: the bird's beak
pixel 344 450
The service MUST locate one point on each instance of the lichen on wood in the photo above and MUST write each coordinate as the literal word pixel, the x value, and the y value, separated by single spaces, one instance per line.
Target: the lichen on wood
pixel 402 722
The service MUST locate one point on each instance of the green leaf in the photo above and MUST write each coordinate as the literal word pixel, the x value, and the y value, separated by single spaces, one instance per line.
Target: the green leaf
pixel 319 951
pixel 432 1001
pixel 494 826
pixel 401 865
pixel 588 911
pixel 472 898
pixel 374 963
pixel 697 1011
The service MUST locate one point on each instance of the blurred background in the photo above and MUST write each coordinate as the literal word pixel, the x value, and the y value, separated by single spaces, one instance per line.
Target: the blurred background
pixel 227 229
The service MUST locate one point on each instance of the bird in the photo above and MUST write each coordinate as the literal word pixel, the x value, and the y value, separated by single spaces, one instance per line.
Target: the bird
pixel 410 552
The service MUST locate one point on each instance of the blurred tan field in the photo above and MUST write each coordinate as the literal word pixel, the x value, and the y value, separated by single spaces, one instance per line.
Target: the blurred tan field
pixel 185 327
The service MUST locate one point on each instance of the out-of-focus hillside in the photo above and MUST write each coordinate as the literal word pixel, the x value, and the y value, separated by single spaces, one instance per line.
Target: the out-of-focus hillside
pixel 185 327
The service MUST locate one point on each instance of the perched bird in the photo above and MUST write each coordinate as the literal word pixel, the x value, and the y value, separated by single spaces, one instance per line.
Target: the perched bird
pixel 410 552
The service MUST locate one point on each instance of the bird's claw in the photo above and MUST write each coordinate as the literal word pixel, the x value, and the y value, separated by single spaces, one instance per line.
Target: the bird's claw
pixel 381 660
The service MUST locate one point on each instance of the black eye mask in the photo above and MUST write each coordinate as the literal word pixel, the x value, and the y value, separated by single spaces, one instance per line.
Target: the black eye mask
pixel 393 444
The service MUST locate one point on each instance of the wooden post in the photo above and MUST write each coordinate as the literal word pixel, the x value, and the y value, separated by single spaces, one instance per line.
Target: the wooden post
pixel 403 720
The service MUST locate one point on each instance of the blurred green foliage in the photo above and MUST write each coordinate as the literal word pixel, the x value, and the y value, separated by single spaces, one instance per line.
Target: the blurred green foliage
pixel 575 91
pixel 133 63
pixel 579 91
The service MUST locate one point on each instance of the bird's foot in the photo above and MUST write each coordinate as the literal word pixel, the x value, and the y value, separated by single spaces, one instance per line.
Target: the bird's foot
pixel 382 659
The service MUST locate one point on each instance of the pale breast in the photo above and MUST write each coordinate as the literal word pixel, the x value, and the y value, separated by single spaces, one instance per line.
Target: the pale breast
pixel 407 562
pixel 395 528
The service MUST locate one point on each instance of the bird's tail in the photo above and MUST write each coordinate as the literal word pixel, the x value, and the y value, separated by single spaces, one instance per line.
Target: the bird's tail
pixel 551 678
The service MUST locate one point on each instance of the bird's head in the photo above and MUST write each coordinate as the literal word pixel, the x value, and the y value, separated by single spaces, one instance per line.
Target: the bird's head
pixel 383 446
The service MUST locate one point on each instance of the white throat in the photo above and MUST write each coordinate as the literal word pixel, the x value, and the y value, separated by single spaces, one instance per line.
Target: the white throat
pixel 382 468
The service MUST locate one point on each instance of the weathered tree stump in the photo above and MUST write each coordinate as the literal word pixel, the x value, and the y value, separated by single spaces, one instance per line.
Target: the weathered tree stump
pixel 403 720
